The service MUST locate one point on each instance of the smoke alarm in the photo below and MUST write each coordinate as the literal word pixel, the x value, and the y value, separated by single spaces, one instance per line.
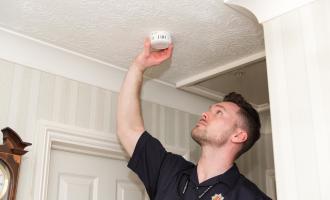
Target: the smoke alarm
pixel 160 39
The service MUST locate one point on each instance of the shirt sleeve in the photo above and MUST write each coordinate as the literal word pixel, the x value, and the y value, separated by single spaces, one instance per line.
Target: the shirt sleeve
pixel 147 160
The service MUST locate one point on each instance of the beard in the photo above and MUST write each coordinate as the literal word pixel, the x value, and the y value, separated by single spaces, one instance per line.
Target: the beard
pixel 201 136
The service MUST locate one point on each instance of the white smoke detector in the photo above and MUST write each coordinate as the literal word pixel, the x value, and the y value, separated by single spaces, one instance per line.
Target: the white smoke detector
pixel 160 39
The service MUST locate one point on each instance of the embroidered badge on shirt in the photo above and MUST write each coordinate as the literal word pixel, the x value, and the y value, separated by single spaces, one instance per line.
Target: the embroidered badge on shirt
pixel 218 197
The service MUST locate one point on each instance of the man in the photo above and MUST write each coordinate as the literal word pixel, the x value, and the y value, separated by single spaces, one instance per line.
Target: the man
pixel 224 132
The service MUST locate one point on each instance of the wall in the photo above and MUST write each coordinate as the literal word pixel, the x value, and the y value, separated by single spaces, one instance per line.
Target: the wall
pixel 87 98
pixel 297 47
pixel 29 95
pixel 258 161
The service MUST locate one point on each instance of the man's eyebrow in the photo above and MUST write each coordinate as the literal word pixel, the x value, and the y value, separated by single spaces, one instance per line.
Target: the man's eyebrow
pixel 220 106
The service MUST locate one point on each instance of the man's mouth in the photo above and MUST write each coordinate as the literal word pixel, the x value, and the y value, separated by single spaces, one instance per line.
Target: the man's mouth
pixel 201 122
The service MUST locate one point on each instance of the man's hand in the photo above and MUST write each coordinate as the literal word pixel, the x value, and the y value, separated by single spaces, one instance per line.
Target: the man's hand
pixel 148 58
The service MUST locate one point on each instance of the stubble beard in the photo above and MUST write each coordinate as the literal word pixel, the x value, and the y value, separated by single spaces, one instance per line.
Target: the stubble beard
pixel 198 135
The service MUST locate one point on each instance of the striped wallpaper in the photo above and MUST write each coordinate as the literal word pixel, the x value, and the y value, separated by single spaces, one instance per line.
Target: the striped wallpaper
pixel 29 95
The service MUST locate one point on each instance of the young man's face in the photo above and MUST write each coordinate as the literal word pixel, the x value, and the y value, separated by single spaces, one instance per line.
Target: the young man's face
pixel 217 124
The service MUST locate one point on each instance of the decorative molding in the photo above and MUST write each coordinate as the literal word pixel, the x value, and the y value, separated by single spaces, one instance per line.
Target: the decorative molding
pixel 266 10
pixel 217 96
pixel 221 69
pixel 27 51
pixel 262 107
pixel 200 90
pixel 89 183
pixel 57 136
pixel 124 186
pixel 270 183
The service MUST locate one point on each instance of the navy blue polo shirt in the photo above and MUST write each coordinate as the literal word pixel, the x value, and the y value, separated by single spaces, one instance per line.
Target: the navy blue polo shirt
pixel 168 176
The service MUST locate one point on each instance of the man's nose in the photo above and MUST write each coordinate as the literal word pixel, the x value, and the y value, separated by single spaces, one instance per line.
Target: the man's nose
pixel 204 115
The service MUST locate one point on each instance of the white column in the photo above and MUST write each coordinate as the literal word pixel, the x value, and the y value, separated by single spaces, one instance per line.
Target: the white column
pixel 298 64
pixel 297 39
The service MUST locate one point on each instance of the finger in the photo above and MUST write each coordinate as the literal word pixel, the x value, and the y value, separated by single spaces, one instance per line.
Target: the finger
pixel 171 47
pixel 147 46
pixel 169 50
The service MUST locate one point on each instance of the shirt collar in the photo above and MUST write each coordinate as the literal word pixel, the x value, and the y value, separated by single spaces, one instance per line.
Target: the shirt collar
pixel 229 178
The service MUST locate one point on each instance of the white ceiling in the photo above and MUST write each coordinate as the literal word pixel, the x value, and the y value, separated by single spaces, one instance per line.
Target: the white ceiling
pixel 208 36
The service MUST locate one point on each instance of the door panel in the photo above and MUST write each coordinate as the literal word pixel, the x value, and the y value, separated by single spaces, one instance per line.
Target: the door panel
pixel 77 176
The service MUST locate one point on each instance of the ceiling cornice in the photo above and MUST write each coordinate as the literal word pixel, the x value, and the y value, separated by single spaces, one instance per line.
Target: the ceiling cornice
pixel 266 10
pixel 217 96
pixel 221 69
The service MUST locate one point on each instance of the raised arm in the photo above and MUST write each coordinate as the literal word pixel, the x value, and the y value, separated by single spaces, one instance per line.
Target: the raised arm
pixel 129 117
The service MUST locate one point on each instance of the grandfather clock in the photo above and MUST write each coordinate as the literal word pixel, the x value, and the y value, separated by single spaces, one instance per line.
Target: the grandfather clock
pixel 11 152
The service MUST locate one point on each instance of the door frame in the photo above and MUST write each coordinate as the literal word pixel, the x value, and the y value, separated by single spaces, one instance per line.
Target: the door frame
pixel 55 136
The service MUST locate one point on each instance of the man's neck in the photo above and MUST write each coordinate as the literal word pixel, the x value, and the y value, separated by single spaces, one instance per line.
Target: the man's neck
pixel 213 162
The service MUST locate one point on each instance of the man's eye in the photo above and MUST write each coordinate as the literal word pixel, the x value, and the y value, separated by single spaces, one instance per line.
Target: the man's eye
pixel 219 112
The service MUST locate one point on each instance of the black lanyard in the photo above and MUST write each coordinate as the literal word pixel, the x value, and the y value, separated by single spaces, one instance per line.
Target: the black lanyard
pixel 201 195
pixel 183 191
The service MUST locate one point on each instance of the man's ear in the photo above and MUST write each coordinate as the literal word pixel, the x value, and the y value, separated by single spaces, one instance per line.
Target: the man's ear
pixel 240 136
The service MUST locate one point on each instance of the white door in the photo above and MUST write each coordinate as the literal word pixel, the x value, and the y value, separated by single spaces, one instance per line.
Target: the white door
pixel 78 176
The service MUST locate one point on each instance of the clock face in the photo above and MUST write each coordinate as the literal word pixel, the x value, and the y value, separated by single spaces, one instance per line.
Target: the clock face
pixel 4 179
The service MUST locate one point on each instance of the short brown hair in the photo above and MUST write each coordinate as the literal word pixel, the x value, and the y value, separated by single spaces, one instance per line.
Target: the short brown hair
pixel 250 119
